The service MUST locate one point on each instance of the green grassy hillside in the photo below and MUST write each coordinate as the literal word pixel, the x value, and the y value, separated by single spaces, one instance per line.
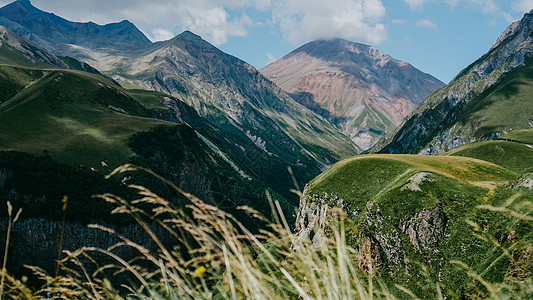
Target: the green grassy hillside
pixel 517 157
pixel 83 119
pixel 76 117
pixel 423 213
pixel 370 176
pixel 504 107
pixel 9 55
pixel 522 136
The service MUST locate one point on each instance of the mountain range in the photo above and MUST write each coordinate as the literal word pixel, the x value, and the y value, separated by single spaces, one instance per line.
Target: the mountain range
pixel 363 91
pixel 265 131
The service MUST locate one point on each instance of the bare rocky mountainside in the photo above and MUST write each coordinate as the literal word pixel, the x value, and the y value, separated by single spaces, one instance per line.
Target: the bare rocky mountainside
pixel 489 98
pixel 363 91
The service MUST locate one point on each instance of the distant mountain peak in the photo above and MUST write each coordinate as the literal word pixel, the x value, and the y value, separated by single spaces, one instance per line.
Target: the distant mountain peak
pixel 190 36
pixel 334 46
pixel 52 31
pixel 360 89
pixel 25 2
pixel 22 4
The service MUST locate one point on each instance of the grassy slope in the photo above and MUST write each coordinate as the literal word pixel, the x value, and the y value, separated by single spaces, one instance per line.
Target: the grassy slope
pixel 80 118
pixel 504 107
pixel 8 55
pixel 514 156
pixel 367 176
pixel 454 183
pixel 77 117
pixel 522 136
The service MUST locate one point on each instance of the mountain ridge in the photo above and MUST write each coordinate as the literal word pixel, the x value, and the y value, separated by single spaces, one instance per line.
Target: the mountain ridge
pixel 265 129
pixel 52 31
pixel 439 114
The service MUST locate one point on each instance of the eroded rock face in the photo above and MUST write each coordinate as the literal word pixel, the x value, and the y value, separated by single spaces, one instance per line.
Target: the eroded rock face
pixel 380 240
pixel 36 242
pixel 426 228
pixel 387 237
pixel 311 219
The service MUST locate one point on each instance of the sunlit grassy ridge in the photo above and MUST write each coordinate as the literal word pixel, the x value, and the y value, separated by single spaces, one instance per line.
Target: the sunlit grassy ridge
pixel 523 136
pixel 366 176
pixel 68 113
pixel 510 155
pixel 384 195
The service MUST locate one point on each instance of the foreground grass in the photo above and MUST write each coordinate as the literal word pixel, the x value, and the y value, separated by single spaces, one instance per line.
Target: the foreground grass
pixel 216 257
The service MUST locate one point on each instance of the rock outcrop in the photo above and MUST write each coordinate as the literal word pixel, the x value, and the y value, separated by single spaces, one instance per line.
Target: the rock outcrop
pixel 426 228
pixel 380 241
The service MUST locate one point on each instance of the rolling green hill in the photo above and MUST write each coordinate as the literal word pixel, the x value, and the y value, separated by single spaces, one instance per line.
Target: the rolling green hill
pixel 521 136
pixel 513 155
pixel 75 117
pixel 84 120
pixel 61 131
pixel 419 214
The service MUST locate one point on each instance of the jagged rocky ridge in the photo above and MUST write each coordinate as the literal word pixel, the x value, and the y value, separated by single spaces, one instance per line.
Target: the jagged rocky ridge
pixel 435 125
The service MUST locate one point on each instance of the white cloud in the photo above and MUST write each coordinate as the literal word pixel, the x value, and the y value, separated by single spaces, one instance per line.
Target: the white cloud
pixel 415 4
pixel 161 34
pixel 271 58
pixel 262 4
pixel 523 5
pixel 426 23
pixel 211 21
pixel 304 20
pixel 486 6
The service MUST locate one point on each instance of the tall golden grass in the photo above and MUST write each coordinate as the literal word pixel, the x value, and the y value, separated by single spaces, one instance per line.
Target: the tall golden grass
pixel 215 257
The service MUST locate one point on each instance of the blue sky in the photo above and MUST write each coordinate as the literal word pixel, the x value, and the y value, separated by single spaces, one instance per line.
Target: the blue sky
pixel 439 37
